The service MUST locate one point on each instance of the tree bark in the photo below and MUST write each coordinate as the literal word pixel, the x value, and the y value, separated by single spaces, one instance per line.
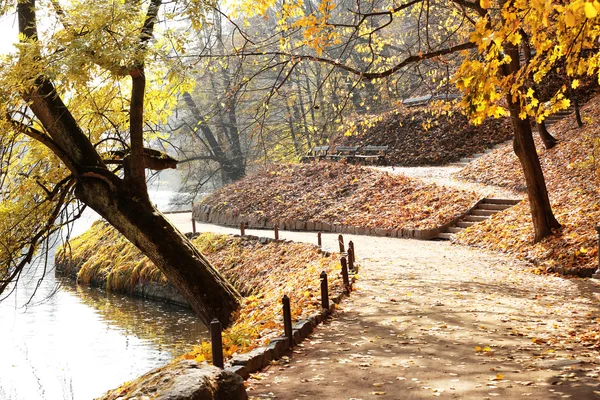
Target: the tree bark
pixel 548 140
pixel 524 146
pixel 209 294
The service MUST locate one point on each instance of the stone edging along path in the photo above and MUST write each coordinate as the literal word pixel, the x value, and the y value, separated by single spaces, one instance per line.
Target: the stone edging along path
pixel 255 360
pixel 204 213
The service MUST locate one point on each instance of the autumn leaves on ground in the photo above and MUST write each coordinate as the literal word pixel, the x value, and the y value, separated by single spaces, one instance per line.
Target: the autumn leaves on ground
pixel 338 192
pixel 571 172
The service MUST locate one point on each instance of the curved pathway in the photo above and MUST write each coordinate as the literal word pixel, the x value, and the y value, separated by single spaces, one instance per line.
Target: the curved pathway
pixel 432 319
pixel 443 176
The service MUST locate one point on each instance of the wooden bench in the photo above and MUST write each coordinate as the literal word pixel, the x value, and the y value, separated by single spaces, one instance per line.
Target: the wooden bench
pixel 317 153
pixel 341 152
pixel 375 153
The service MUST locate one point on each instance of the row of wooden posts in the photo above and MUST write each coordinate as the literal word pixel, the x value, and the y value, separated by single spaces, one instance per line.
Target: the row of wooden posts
pixel 216 328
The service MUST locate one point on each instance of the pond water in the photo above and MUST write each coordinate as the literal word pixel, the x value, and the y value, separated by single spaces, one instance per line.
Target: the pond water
pixel 73 342
pixel 63 341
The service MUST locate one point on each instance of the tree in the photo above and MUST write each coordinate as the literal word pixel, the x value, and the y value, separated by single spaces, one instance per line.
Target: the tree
pixel 493 81
pixel 76 100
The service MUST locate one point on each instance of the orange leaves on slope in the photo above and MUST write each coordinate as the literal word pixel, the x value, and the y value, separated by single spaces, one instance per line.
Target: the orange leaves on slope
pixel 572 179
pixel 342 194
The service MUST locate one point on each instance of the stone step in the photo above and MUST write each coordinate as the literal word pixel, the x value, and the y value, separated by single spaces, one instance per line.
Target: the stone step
pixel 445 236
pixel 488 206
pixel 477 155
pixel 476 218
pixel 455 229
pixel 501 201
pixel 484 212
pixel 466 160
pixel 465 224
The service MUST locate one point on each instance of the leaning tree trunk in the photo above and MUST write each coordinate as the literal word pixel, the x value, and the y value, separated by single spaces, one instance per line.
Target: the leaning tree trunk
pixel 209 294
pixel 124 203
pixel 524 147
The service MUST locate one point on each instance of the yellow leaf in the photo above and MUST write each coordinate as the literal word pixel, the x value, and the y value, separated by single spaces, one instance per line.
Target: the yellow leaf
pixel 499 377
pixel 583 250
pixel 485 3
pixel 570 18
pixel 590 10
pixel 575 83
pixel 200 358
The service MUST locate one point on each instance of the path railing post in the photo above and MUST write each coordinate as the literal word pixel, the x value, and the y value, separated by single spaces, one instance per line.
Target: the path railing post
pixel 324 291
pixel 345 278
pixel 276 229
pixel 351 246
pixel 193 220
pixel 341 243
pixel 350 258
pixel 319 241
pixel 287 320
pixel 242 228
pixel 216 341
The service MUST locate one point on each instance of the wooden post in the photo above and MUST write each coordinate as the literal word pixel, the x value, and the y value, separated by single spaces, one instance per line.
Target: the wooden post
pixel 351 246
pixel 319 242
pixel 341 243
pixel 350 258
pixel 216 341
pixel 242 228
pixel 276 228
pixel 193 220
pixel 345 278
pixel 324 291
pixel 287 320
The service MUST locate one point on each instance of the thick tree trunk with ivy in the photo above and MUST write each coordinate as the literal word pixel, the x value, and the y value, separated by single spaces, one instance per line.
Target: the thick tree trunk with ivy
pixel 524 146
pixel 124 201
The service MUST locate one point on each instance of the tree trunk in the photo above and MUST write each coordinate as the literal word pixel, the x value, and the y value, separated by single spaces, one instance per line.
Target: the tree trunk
pixel 524 147
pixel 124 204
pixel 209 294
pixel 548 140
pixel 233 171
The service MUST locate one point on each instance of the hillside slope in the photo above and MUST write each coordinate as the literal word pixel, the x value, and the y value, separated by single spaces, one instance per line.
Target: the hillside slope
pixel 338 193
pixel 415 136
pixel 572 178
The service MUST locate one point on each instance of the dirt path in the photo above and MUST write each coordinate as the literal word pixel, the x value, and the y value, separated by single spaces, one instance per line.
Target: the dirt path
pixel 432 319
pixel 444 176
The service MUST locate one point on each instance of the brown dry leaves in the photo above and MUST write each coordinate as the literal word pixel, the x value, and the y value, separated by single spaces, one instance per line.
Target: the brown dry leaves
pixel 342 194
pixel 572 179
pixel 418 137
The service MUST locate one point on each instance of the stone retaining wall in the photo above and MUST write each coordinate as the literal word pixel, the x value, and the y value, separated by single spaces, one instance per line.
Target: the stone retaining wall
pixel 205 213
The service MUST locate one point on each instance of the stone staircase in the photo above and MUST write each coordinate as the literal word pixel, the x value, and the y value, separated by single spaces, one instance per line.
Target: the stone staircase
pixel 484 209
pixel 554 118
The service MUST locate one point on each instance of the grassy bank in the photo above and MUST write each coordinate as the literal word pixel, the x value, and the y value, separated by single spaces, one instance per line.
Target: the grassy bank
pixel 263 273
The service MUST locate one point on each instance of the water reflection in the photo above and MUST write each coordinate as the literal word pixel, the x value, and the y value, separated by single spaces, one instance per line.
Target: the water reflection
pixel 75 342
